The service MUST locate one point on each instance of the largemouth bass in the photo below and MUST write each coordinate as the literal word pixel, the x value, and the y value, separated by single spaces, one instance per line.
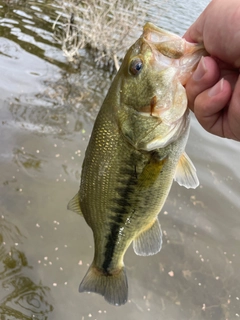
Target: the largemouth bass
pixel 135 152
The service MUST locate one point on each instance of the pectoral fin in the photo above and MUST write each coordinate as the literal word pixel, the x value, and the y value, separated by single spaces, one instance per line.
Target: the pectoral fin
pixel 74 205
pixel 149 242
pixel 185 174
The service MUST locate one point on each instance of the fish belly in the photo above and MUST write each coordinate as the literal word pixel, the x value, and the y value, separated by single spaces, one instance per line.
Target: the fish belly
pixel 122 189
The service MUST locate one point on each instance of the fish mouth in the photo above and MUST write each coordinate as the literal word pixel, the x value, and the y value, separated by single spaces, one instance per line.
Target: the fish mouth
pixel 151 109
pixel 174 59
pixel 170 50
pixel 170 44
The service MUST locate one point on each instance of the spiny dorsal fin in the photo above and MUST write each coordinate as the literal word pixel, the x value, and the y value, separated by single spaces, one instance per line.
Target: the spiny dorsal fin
pixel 185 174
pixel 74 204
pixel 149 242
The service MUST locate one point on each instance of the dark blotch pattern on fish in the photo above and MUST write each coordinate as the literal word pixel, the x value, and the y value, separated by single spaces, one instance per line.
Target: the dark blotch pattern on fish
pixel 128 180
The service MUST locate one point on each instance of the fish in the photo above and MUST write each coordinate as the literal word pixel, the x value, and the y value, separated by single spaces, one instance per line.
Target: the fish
pixel 136 150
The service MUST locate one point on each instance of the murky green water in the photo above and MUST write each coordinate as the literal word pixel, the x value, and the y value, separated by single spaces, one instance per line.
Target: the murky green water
pixel 47 109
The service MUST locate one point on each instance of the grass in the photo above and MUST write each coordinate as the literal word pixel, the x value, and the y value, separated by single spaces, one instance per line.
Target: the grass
pixel 106 27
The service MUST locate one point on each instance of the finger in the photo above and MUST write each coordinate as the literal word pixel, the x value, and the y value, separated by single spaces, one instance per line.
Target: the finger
pixel 233 128
pixel 230 76
pixel 218 28
pixel 204 77
pixel 211 107
pixel 195 32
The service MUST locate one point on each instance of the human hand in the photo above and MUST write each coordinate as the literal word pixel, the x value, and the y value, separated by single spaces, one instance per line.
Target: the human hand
pixel 214 88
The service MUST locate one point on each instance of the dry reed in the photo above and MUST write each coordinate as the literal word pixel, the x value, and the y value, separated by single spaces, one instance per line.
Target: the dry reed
pixel 107 27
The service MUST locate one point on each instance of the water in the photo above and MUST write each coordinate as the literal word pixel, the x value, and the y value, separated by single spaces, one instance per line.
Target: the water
pixel 48 107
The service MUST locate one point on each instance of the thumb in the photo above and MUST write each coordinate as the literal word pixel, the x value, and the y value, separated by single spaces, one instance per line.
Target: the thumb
pixel 195 31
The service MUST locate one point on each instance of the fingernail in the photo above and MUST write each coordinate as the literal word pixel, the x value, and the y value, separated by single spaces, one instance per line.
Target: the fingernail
pixel 216 89
pixel 200 71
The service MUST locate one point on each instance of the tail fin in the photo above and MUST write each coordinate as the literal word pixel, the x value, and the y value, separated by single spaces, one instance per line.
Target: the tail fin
pixel 113 287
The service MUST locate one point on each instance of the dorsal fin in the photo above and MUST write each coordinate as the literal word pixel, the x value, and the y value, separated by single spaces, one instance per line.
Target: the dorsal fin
pixel 74 204
pixel 185 174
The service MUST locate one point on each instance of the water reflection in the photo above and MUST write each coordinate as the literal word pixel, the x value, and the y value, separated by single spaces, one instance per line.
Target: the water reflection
pixel 21 298
pixel 27 161
pixel 30 25
pixel 64 105
pixel 203 285
pixel 47 111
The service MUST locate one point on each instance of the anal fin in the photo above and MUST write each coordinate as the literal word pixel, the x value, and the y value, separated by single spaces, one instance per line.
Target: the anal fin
pixel 149 242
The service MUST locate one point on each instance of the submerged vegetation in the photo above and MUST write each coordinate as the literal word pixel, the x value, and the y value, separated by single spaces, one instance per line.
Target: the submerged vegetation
pixel 106 27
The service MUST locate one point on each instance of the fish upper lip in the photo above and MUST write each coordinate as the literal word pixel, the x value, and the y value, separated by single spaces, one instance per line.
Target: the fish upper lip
pixel 177 52
pixel 177 45
pixel 190 55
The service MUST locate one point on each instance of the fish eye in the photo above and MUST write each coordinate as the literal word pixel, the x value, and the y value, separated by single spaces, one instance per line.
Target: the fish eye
pixel 136 66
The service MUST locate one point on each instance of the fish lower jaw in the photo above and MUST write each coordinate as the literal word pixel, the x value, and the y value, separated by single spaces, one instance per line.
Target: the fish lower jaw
pixel 165 138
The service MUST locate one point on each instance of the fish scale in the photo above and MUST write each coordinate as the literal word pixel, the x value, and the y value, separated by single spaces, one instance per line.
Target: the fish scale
pixel 135 152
